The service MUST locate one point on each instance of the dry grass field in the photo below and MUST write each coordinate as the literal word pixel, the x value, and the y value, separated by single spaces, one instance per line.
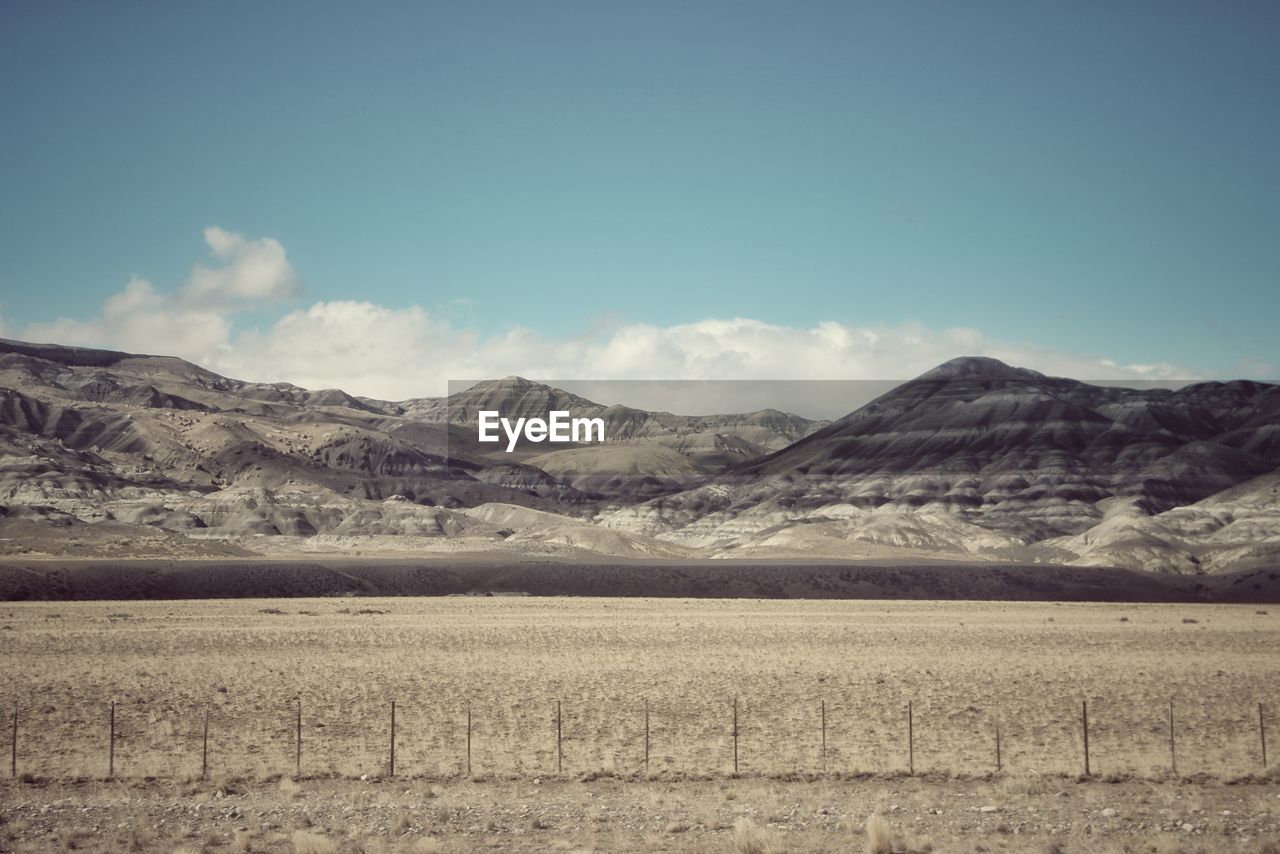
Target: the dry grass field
pixel 962 666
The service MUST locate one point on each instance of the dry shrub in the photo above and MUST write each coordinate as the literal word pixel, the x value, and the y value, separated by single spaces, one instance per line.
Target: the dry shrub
pixel 75 838
pixel 290 788
pixel 306 842
pixel 748 838
pixel 137 839
pixel 879 835
pixel 1024 783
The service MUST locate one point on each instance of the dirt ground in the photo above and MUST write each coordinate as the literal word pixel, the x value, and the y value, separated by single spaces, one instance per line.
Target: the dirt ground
pixel 922 814
pixel 967 670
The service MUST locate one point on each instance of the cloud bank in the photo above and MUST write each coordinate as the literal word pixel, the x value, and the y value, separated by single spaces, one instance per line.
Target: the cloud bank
pixel 394 354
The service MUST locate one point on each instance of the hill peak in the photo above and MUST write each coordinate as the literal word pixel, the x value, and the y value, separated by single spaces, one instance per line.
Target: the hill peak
pixel 511 381
pixel 979 367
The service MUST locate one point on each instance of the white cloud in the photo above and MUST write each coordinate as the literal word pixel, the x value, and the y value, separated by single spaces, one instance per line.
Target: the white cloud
pixel 253 270
pixel 373 350
pixel 360 347
pixel 195 321
pixel 399 353
pixel 141 320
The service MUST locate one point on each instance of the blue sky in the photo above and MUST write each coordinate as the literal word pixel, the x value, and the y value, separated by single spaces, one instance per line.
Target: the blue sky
pixel 1090 179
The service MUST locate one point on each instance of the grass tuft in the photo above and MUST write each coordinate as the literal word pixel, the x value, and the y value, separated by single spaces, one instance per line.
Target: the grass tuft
pixel 306 842
pixel 749 838
pixel 879 835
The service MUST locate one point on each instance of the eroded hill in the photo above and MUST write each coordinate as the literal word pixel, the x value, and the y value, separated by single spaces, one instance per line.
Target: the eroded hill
pixel 112 454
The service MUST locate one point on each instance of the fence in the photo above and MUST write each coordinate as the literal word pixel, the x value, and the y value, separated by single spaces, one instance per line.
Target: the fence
pixel 718 739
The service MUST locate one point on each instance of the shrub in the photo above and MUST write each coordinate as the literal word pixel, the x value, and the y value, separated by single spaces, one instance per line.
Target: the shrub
pixel 306 842
pixel 750 839
pixel 1026 783
pixel 879 835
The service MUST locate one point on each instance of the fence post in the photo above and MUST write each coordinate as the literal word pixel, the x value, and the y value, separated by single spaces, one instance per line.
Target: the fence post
pixel 297 755
pixel 824 736
pixel 559 751
pixel 646 735
pixel 393 739
pixel 13 746
pixel 998 763
pixel 1173 750
pixel 911 740
pixel 1262 736
pixel 204 746
pixel 735 735
pixel 1084 722
pixel 111 744
pixel 468 738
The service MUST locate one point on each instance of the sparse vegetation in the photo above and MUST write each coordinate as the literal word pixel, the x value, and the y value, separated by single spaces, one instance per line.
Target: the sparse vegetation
pixel 915 816
pixel 879 835
pixel 306 842
pixel 511 658
pixel 748 838
pixel 1023 783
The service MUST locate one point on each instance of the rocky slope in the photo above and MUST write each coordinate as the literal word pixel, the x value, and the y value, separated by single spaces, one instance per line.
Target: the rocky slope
pixel 709 443
pixel 972 460
pixel 976 457
pixel 94 437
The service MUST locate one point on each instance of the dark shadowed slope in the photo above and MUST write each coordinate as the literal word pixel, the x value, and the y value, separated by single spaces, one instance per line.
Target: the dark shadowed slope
pixel 976 455
pixel 229 578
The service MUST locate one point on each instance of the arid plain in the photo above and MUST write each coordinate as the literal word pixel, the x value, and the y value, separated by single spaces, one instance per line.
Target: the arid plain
pixel 964 667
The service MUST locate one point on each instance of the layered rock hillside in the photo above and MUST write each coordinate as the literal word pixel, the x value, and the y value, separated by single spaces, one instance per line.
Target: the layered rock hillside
pixel 105 453
pixel 89 437
pixel 977 457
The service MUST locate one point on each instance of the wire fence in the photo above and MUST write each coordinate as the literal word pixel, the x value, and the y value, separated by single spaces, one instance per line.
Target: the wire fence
pixel 709 737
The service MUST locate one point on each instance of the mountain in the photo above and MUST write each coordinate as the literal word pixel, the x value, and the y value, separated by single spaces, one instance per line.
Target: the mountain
pixel 515 397
pixel 90 436
pixel 96 437
pixel 704 443
pixel 976 456
pixel 114 454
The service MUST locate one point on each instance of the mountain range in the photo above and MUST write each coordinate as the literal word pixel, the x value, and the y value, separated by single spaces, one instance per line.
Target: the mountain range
pixel 108 454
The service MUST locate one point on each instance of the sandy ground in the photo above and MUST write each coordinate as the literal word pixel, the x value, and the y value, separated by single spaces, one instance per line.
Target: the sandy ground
pixel 965 667
pixel 820 815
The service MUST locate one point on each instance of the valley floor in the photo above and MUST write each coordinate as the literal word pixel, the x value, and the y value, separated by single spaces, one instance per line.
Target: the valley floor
pixel 918 814
pixel 610 724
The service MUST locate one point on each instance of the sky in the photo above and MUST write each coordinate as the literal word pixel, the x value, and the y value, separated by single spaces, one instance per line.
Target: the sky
pixel 383 197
